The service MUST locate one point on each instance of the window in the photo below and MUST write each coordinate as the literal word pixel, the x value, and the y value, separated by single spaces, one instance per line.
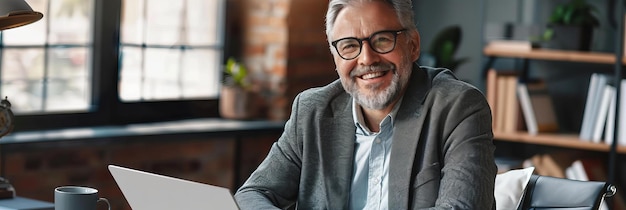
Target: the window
pixel 90 62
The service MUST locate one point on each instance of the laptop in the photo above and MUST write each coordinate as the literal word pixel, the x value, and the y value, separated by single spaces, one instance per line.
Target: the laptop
pixel 148 191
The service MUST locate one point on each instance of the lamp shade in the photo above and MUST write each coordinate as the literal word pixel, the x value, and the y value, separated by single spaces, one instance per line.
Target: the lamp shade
pixel 16 13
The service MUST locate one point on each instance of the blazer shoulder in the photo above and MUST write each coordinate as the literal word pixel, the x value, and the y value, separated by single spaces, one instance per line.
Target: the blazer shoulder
pixel 322 96
pixel 444 80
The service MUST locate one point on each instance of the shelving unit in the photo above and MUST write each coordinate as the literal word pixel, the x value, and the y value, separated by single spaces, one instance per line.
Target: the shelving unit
pixel 571 141
pixel 559 140
pixel 567 140
pixel 549 54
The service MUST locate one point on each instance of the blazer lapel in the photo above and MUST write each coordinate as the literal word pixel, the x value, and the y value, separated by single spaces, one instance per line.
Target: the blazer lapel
pixel 338 151
pixel 407 129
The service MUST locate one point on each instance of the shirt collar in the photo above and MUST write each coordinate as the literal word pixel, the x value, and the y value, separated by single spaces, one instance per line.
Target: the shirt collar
pixel 357 116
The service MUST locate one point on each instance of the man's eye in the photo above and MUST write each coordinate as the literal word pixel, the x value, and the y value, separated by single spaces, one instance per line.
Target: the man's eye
pixel 383 39
pixel 349 47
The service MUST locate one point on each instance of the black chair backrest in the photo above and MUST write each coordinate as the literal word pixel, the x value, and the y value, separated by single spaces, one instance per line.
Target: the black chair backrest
pixel 551 193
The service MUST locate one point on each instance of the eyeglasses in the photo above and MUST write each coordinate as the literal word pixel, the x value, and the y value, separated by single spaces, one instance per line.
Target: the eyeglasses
pixel 381 42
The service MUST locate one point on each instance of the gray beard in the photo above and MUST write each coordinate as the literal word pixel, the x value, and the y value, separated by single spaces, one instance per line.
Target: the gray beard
pixel 379 99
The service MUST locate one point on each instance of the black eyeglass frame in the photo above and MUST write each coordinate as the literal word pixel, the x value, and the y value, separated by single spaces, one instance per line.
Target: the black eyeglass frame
pixel 360 41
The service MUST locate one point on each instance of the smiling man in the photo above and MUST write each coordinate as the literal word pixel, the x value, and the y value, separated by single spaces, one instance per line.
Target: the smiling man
pixel 389 134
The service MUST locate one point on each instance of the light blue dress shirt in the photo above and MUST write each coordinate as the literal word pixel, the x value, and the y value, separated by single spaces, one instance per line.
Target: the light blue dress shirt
pixel 371 162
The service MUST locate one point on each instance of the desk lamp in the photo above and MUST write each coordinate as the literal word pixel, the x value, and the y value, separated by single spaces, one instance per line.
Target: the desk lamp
pixel 13 13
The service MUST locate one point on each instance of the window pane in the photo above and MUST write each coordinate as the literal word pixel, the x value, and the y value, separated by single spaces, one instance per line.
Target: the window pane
pixel 131 76
pixel 22 64
pixel 67 94
pixel 162 69
pixel 204 32
pixel 22 79
pixel 68 62
pixel 163 24
pixel 26 95
pixel 198 78
pixel 182 50
pixel 68 80
pixel 70 21
pixel 133 22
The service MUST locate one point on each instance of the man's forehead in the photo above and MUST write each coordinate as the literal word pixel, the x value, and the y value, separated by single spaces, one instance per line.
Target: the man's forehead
pixel 363 19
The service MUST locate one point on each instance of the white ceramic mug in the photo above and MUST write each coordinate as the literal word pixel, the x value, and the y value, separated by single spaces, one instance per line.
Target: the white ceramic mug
pixel 77 198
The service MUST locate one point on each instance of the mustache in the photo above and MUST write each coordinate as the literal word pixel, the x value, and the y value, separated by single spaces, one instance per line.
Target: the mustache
pixel 361 70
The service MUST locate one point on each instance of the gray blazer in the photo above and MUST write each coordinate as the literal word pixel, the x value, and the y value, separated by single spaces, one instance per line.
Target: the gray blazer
pixel 442 155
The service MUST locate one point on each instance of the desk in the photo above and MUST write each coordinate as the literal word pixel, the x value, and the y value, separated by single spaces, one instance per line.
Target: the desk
pixel 21 203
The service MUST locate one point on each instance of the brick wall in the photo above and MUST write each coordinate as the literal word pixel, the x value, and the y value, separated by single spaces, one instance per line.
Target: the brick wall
pixel 310 63
pixel 283 44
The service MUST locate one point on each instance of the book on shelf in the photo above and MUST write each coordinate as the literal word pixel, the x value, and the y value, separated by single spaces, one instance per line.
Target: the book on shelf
pixel 610 120
pixel 576 171
pixel 599 116
pixel 511 105
pixel 537 107
pixel 500 92
pixel 595 90
pixel 608 93
pixel 609 132
pixel 502 98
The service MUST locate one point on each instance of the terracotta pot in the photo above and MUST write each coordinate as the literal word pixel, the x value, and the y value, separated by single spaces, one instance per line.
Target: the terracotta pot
pixel 237 103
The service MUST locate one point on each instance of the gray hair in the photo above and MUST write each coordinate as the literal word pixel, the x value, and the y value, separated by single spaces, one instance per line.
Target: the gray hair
pixel 403 9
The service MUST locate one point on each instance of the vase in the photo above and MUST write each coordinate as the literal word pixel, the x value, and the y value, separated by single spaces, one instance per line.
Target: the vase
pixel 576 38
pixel 237 103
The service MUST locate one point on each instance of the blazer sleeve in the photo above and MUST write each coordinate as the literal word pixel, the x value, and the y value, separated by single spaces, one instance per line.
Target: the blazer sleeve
pixel 274 184
pixel 468 167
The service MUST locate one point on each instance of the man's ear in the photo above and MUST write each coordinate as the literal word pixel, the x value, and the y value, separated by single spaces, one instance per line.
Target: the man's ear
pixel 415 45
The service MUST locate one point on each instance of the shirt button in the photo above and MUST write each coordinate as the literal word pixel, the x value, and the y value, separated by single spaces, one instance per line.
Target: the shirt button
pixel 376 180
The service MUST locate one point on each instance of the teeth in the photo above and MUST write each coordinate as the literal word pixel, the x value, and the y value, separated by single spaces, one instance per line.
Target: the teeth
pixel 372 75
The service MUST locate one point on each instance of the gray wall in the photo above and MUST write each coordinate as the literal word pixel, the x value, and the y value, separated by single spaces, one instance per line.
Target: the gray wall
pixel 434 15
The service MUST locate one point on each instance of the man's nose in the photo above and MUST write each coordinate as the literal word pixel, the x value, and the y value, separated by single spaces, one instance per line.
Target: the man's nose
pixel 368 56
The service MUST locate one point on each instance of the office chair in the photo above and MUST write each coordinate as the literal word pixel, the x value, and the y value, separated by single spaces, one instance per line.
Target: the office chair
pixel 551 193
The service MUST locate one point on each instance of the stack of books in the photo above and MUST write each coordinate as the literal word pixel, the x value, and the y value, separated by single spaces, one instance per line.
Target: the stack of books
pixel 599 115
pixel 519 105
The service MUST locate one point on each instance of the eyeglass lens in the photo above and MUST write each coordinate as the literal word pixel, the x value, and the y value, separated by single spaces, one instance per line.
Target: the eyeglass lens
pixel 381 42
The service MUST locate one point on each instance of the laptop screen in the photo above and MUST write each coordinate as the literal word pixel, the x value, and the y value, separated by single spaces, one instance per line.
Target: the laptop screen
pixel 151 191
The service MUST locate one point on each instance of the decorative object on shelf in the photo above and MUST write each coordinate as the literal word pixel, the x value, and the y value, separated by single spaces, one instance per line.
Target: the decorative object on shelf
pixel 571 26
pixel 13 13
pixel 444 47
pixel 237 100
pixel 6 117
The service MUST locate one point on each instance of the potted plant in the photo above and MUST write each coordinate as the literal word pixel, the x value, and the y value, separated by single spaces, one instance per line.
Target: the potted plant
pixel 237 98
pixel 571 26
pixel 445 46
